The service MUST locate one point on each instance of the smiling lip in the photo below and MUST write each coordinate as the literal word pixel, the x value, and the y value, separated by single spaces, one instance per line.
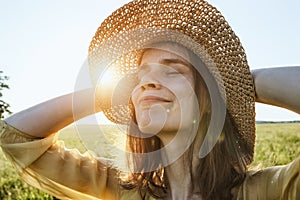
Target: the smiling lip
pixel 153 99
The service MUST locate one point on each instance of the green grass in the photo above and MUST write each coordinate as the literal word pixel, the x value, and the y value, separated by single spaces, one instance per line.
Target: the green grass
pixel 13 188
pixel 276 144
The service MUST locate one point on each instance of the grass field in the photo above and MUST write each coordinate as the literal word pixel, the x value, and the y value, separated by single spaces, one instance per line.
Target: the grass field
pixel 276 144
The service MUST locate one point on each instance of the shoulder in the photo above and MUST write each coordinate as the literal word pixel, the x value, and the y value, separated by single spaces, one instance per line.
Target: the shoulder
pixel 278 182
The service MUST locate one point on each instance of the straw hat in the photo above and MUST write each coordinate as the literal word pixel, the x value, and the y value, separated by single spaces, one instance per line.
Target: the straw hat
pixel 193 23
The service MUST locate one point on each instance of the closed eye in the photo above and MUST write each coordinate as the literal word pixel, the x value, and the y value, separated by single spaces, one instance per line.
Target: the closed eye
pixel 173 72
pixel 177 66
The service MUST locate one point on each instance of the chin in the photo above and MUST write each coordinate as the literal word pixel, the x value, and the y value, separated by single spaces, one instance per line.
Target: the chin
pixel 150 129
pixel 156 128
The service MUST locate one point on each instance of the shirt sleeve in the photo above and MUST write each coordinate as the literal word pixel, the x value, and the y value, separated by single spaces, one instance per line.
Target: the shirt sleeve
pixel 279 182
pixel 46 164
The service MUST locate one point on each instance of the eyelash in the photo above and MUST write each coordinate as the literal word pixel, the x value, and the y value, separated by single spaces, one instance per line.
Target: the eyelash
pixel 169 72
pixel 173 72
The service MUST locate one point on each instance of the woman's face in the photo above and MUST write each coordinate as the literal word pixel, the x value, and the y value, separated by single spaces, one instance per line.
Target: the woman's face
pixel 164 100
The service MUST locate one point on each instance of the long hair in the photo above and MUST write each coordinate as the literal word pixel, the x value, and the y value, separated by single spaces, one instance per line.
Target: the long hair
pixel 216 174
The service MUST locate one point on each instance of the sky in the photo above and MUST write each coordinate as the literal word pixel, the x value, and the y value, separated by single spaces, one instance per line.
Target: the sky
pixel 44 43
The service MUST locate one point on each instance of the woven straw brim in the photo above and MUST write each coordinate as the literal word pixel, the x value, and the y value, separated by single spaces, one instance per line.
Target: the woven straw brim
pixel 119 39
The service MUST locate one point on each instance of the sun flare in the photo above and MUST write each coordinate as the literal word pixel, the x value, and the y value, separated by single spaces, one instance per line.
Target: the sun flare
pixel 107 77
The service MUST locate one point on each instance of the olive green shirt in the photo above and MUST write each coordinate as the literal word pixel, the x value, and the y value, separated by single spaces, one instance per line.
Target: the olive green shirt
pixel 45 163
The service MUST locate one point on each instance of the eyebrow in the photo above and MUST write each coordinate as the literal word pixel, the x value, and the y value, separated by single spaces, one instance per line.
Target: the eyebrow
pixel 175 61
pixel 167 61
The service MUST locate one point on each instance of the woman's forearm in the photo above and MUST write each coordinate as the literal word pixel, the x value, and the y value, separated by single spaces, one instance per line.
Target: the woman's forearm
pixel 50 116
pixel 278 86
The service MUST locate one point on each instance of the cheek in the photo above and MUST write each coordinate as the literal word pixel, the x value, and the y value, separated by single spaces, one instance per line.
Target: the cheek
pixel 182 90
pixel 181 85
pixel 134 98
pixel 187 105
pixel 136 107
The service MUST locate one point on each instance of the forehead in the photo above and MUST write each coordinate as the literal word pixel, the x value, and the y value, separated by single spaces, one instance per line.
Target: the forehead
pixel 162 51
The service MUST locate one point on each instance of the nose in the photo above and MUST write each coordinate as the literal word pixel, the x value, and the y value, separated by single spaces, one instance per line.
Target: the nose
pixel 149 86
pixel 150 80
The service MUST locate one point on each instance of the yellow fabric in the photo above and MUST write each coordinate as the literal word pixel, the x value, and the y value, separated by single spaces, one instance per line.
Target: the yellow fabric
pixel 279 182
pixel 67 174
pixel 48 165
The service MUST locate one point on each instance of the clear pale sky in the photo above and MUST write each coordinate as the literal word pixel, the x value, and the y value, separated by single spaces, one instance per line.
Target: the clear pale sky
pixel 43 43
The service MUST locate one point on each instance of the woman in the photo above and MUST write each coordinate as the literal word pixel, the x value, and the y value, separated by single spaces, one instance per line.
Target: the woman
pixel 184 89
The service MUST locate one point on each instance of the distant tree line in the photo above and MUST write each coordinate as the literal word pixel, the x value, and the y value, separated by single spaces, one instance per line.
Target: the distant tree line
pixel 4 106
